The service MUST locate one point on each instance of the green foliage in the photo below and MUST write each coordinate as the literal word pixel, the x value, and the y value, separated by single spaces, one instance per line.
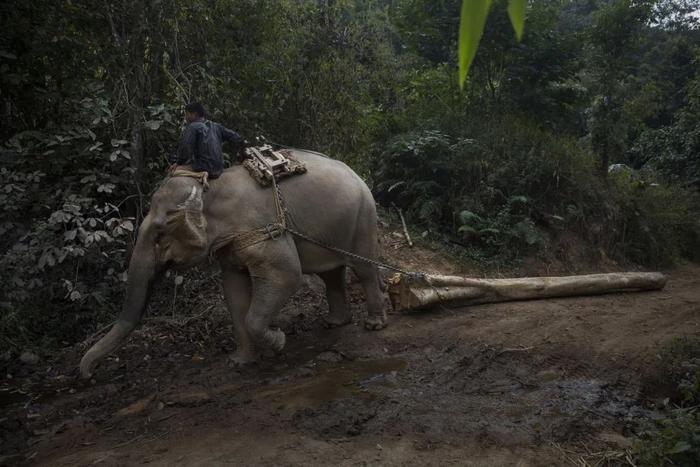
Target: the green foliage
pixel 70 207
pixel 675 149
pixel 511 229
pixel 652 223
pixel 675 439
pixel 680 363
pixel 471 27
pixel 495 193
pixel 63 236
pixel 516 13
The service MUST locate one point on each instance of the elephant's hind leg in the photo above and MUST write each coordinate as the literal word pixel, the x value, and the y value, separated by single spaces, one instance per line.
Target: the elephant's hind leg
pixel 339 314
pixel 369 278
pixel 237 291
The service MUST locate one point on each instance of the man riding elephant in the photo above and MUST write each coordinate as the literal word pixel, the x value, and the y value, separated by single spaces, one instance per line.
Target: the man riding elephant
pixel 199 156
pixel 200 145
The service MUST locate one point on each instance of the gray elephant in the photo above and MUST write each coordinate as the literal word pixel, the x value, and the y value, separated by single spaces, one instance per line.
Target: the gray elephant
pixel 330 203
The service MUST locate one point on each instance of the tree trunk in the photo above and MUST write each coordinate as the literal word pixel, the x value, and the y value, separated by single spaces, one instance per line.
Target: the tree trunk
pixel 409 293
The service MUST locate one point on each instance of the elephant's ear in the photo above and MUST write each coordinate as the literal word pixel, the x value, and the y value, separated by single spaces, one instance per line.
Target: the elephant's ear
pixel 193 201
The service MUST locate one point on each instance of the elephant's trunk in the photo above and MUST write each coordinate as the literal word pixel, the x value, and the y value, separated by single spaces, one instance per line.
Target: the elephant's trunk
pixel 142 274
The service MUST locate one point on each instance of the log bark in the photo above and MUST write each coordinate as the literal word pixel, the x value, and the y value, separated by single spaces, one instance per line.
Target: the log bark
pixel 419 292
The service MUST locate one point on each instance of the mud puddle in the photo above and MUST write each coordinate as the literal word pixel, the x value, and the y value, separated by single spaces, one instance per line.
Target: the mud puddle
pixel 327 383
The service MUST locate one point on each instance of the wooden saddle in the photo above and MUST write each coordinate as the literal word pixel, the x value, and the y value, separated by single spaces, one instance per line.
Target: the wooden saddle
pixel 264 164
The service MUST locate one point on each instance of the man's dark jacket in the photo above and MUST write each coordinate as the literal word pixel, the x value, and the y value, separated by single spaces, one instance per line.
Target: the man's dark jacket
pixel 200 146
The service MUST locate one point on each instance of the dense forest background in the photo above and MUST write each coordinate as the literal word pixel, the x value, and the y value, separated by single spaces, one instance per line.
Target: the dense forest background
pixel 589 127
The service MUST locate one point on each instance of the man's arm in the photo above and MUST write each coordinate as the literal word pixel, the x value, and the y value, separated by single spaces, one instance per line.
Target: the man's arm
pixel 231 136
pixel 187 146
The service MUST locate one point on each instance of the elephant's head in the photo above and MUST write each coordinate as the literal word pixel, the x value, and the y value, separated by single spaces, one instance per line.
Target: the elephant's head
pixel 173 233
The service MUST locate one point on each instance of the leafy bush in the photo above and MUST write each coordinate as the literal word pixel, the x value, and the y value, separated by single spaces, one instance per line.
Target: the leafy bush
pixel 513 184
pixel 675 439
pixel 652 222
pixel 680 363
pixel 69 208
pixel 499 191
pixel 510 228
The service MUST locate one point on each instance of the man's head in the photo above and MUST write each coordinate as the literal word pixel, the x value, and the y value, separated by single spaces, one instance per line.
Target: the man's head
pixel 194 111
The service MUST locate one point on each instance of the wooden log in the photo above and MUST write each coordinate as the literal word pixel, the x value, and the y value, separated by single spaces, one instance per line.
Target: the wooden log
pixel 417 292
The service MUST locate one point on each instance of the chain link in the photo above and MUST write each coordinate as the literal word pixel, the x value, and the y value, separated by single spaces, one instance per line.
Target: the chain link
pixel 283 216
pixel 350 254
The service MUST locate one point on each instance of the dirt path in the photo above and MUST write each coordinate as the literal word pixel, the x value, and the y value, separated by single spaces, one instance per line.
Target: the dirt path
pixel 528 383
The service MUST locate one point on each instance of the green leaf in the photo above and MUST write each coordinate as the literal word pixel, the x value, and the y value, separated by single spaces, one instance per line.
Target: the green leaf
pixel 681 446
pixel 469 218
pixel 127 225
pixel 153 124
pixel 489 230
pixel 471 27
pixel 517 199
pixel 516 12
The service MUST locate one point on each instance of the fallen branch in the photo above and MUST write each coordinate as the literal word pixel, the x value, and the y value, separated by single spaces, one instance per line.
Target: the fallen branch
pixel 516 349
pixel 403 223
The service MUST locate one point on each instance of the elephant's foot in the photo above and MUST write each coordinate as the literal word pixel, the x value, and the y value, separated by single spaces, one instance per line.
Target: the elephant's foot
pixel 334 320
pixel 243 357
pixel 275 339
pixel 375 322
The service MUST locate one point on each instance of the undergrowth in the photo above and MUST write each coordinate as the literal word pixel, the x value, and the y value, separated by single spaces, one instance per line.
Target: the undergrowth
pixel 512 189
pixel 675 439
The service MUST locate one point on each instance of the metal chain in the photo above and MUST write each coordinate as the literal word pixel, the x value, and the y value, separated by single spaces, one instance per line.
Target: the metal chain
pixel 284 214
pixel 352 255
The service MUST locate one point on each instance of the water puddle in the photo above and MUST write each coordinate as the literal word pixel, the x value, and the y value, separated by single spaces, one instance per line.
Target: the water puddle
pixel 342 380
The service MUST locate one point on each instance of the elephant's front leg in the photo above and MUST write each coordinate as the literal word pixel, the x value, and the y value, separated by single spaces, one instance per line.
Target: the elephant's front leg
pixel 275 276
pixel 237 293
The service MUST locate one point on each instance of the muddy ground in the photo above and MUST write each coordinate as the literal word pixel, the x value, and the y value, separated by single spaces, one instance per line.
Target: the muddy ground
pixel 529 383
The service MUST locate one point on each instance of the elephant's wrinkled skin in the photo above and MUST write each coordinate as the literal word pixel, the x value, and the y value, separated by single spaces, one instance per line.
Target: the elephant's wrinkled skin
pixel 329 203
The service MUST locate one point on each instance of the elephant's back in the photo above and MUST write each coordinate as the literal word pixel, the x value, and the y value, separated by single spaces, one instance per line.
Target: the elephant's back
pixel 329 202
pixel 330 181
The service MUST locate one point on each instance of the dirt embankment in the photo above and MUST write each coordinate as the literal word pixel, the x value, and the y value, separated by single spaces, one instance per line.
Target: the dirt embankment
pixel 521 383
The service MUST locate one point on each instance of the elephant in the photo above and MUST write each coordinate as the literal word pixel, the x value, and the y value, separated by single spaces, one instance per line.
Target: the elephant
pixel 330 204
